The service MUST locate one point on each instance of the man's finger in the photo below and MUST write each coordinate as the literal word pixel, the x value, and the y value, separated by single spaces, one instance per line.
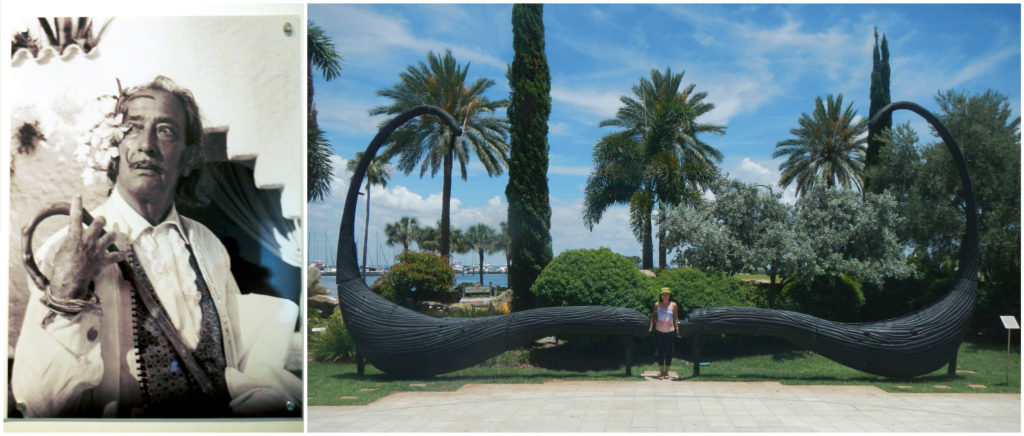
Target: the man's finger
pixel 115 257
pixel 93 231
pixel 75 221
pixel 107 240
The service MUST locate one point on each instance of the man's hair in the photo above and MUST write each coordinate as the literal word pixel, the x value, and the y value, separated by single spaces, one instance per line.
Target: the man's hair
pixel 188 191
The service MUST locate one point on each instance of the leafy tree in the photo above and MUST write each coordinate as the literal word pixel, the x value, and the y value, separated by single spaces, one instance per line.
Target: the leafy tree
pixel 482 239
pixel 655 158
pixel 529 212
pixel 828 148
pixel 428 143
pixel 847 233
pixel 743 229
pixel 376 174
pixel 828 232
pixel 879 99
pixel 402 232
pixel 321 55
pixel 459 242
pixel 428 238
pixel 897 171
pixel 989 135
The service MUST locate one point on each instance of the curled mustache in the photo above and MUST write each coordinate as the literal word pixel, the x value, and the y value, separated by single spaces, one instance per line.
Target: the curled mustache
pixel 145 164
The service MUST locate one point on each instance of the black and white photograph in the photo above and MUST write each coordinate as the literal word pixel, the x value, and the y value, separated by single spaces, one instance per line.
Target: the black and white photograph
pixel 156 215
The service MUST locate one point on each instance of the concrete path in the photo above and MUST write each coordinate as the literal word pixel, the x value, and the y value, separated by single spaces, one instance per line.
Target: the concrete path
pixel 672 406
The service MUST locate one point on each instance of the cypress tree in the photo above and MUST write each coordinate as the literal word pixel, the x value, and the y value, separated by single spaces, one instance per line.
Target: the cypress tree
pixel 879 99
pixel 529 213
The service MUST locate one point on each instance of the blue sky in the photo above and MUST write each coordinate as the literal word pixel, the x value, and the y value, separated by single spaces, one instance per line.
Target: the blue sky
pixel 761 65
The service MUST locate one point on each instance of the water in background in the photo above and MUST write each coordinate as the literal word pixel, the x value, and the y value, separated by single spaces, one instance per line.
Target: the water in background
pixel 489 280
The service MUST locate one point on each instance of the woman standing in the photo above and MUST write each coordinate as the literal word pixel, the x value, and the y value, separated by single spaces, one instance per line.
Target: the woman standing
pixel 664 318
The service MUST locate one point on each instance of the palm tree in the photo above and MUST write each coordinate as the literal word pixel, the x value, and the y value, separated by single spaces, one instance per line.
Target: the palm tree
pixel 376 174
pixel 427 237
pixel 460 244
pixel 482 238
pixel 656 158
pixel 428 143
pixel 504 242
pixel 402 232
pixel 829 147
pixel 320 53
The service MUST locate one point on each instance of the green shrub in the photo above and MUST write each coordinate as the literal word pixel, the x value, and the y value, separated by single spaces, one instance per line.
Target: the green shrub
pixel 588 277
pixel 692 288
pixel 334 344
pixel 835 298
pixel 990 304
pixel 417 275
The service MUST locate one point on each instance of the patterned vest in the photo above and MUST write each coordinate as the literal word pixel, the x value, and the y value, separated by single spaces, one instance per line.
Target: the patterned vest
pixel 168 390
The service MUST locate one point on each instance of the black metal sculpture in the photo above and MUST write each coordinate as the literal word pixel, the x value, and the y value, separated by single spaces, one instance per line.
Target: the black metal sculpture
pixel 402 342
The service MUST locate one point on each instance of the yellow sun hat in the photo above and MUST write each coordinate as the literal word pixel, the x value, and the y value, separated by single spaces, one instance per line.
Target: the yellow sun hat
pixel 666 291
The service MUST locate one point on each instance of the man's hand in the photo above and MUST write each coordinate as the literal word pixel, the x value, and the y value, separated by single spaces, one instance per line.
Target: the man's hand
pixel 80 256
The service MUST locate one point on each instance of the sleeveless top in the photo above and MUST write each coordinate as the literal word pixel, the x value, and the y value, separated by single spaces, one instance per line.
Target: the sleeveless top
pixel 665 320
pixel 168 390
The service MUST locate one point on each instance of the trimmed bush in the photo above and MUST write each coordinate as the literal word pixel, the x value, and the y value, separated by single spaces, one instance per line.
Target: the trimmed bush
pixel 417 275
pixel 588 277
pixel 835 298
pixel 692 288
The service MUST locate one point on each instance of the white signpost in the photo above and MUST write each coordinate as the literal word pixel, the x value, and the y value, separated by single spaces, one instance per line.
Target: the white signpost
pixel 1010 324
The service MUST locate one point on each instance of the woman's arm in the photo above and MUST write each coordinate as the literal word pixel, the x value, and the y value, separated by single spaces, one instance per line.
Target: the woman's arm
pixel 675 318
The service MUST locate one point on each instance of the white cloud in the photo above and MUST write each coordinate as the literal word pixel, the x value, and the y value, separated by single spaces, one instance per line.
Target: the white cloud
pixel 733 94
pixel 558 128
pixel 918 78
pixel 372 36
pixel 591 101
pixel 346 115
pixel 568 170
pixel 759 171
pixel 568 231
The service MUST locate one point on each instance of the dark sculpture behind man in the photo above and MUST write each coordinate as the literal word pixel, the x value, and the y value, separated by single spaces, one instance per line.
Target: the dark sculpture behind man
pixel 152 328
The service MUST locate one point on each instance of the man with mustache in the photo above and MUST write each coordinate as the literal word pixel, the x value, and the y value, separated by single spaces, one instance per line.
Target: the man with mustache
pixel 91 346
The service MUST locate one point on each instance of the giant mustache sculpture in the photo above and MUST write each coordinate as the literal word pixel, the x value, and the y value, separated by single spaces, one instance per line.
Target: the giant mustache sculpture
pixel 405 343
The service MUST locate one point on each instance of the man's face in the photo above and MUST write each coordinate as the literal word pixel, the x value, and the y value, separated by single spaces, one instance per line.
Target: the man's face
pixel 151 154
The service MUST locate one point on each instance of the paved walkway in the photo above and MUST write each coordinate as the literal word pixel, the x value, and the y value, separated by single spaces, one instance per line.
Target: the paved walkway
pixel 672 406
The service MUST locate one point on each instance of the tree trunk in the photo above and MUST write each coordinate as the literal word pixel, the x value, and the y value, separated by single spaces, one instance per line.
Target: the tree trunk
pixel 648 244
pixel 446 199
pixel 662 250
pixel 366 228
pixel 481 267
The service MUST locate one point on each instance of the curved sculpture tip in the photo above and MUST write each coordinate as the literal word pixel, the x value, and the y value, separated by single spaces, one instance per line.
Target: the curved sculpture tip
pixel 911 345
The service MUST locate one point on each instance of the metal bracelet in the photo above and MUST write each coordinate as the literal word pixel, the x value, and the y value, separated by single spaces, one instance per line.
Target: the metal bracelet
pixel 70 306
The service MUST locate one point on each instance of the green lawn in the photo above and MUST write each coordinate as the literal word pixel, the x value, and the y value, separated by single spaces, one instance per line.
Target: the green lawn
pixel 753 277
pixel 979 364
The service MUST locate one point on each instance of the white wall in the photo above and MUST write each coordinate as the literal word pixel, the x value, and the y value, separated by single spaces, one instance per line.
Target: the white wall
pixel 245 73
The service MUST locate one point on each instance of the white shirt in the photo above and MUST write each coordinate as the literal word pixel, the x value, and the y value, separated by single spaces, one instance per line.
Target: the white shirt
pixel 84 365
